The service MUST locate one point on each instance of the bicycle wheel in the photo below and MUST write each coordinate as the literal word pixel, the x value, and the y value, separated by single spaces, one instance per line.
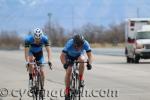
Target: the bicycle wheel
pixel 32 90
pixel 41 91
pixel 35 94
pixel 36 87
pixel 77 86
pixel 72 88
pixel 79 90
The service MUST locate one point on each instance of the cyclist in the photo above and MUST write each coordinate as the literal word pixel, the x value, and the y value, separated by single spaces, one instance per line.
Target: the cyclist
pixel 33 51
pixel 75 49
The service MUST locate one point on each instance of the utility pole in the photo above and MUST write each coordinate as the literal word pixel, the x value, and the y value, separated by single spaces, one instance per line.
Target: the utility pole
pixel 49 22
pixel 137 12
pixel 72 18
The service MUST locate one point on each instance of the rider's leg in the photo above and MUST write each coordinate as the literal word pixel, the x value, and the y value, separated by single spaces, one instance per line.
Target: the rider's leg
pixel 31 66
pixel 42 74
pixel 81 66
pixel 40 59
pixel 67 79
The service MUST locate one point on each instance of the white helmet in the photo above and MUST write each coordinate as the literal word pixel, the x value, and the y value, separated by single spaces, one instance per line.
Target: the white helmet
pixel 38 33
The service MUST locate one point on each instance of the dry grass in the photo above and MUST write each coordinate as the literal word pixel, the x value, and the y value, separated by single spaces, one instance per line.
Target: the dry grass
pixel 107 45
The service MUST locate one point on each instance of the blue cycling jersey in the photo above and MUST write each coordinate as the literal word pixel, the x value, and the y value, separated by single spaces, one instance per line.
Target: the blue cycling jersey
pixel 33 47
pixel 71 51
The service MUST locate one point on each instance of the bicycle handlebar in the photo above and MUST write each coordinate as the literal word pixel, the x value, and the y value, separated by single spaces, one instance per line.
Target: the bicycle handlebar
pixel 80 62
pixel 32 63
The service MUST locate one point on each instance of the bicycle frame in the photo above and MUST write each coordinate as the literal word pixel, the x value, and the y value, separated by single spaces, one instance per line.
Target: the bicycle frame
pixel 75 82
pixel 37 83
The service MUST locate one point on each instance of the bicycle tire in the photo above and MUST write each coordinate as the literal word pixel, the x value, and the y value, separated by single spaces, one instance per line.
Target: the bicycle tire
pixel 77 86
pixel 79 90
pixel 33 90
pixel 36 88
pixel 72 87
pixel 41 96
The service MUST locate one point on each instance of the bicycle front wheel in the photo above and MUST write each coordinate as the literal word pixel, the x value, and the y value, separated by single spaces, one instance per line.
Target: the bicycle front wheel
pixel 41 90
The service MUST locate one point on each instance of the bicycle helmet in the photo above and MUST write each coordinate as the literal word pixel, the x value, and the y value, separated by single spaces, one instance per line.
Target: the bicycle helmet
pixel 78 40
pixel 38 33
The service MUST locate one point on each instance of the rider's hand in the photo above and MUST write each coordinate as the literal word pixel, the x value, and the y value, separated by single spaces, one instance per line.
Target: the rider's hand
pixel 89 66
pixel 65 66
pixel 68 62
pixel 50 64
pixel 27 65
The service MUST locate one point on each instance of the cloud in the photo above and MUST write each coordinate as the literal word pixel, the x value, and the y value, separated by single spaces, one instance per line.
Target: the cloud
pixel 84 11
pixel 81 10
pixel 99 11
pixel 29 2
pixel 132 7
pixel 89 11
pixel 22 2
pixel 34 2
pixel 105 8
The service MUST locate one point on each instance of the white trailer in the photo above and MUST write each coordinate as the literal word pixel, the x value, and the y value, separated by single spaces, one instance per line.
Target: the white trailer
pixel 137 39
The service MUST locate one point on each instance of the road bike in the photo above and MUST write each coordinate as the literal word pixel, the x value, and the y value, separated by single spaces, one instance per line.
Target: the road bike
pixel 75 85
pixel 37 84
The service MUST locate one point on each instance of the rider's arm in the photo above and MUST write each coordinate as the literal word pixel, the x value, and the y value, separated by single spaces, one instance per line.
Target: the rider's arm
pixel 47 46
pixel 26 51
pixel 88 51
pixel 62 58
pixel 65 51
pixel 48 52
pixel 90 57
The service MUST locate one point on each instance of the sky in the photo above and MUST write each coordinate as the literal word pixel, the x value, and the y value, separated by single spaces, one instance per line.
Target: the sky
pixel 25 15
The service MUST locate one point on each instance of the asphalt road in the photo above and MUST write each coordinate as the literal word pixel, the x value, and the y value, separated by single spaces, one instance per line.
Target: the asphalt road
pixel 110 79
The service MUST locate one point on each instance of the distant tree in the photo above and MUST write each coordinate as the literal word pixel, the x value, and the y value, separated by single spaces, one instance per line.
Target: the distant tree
pixel 93 33
pixel 115 33
pixel 9 40
pixel 55 33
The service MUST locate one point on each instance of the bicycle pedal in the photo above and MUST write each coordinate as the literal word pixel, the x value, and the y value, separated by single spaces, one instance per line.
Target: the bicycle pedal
pixel 31 90
pixel 82 84
pixel 67 97
pixel 42 90
pixel 76 92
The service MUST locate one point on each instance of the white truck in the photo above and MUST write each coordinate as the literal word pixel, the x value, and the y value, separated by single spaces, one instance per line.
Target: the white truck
pixel 137 39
